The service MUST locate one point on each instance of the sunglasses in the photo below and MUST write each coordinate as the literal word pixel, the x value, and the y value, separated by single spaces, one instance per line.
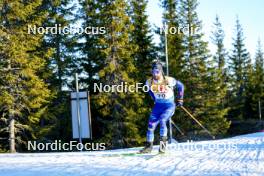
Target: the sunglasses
pixel 156 71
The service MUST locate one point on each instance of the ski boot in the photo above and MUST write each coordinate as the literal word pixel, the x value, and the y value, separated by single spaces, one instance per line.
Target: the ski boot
pixel 148 148
pixel 163 143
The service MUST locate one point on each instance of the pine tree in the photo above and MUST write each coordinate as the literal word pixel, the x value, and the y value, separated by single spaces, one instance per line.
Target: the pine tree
pixel 171 21
pixel 120 111
pixel 144 53
pixel 59 68
pixel 219 82
pixel 142 39
pixel 23 94
pixel 196 54
pixel 221 53
pixel 219 61
pixel 60 14
pixel 239 66
pixel 89 59
pixel 200 92
pixel 257 82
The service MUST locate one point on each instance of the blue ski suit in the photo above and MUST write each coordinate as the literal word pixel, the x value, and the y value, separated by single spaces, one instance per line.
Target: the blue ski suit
pixel 162 92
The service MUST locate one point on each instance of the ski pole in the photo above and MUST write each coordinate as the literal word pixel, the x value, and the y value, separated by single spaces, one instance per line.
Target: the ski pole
pixel 177 127
pixel 167 73
pixel 208 132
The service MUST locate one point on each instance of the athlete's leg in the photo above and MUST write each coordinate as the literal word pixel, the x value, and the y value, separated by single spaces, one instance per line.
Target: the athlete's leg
pixel 152 124
pixel 164 117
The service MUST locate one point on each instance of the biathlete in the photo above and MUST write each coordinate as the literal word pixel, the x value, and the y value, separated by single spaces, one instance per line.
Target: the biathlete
pixel 161 89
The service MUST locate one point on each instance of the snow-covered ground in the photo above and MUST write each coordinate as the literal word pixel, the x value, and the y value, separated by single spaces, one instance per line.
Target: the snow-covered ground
pixel 242 155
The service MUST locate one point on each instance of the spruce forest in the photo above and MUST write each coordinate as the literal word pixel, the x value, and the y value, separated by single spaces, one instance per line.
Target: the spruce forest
pixel 224 90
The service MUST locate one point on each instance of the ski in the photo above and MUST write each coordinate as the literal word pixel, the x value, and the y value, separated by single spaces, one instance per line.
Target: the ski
pixel 130 154
pixel 147 156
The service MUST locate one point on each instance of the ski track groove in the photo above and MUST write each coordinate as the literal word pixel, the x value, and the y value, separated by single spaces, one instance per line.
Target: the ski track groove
pixel 246 160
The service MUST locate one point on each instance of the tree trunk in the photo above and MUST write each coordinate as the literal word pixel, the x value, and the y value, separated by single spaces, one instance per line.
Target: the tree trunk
pixel 12 144
pixel 12 134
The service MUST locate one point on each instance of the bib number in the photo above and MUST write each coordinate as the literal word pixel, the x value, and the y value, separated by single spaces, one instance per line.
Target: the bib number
pixel 161 95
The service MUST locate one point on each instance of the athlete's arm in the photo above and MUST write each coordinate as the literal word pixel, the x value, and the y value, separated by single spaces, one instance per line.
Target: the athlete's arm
pixel 149 88
pixel 180 92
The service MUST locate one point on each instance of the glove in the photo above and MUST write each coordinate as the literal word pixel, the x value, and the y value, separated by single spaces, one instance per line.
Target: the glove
pixel 179 102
